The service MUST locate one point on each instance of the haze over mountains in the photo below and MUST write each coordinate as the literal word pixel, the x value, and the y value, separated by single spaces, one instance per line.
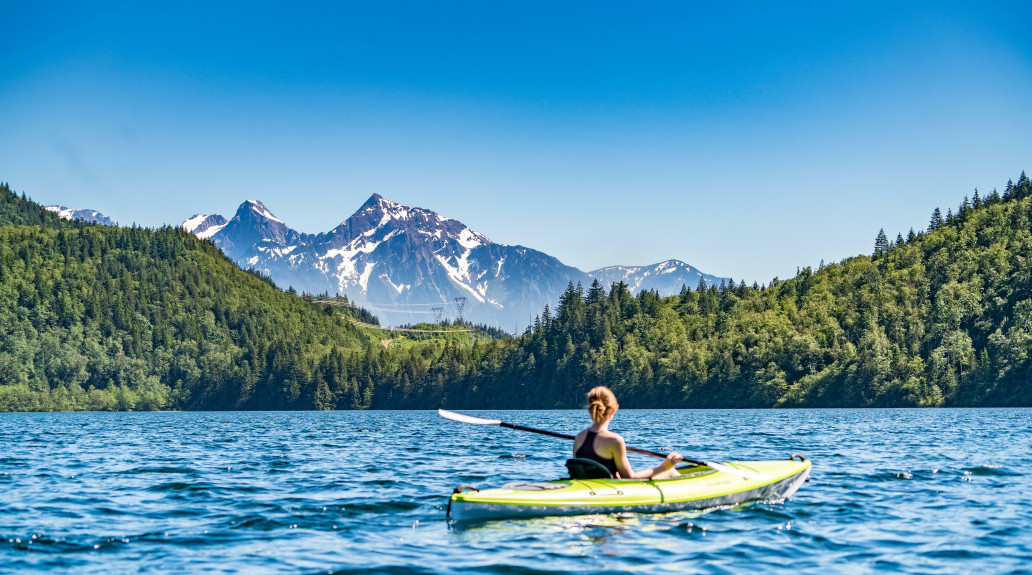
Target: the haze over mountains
pixel 402 262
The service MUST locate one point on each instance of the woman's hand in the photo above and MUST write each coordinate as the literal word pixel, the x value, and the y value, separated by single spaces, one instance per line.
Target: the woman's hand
pixel 671 460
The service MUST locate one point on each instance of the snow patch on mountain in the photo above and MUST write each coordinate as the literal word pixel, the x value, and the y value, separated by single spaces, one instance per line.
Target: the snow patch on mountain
pixel 470 239
pixel 92 216
pixel 397 288
pixel 191 224
pixel 260 209
pixel 211 231
pixel 363 280
pixel 204 226
pixel 667 277
pixel 418 258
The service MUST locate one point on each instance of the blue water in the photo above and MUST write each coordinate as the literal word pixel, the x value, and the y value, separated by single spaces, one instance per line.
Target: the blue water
pixel 891 490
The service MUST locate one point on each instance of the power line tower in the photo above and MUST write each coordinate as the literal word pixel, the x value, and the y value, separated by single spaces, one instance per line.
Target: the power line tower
pixel 460 302
pixel 438 311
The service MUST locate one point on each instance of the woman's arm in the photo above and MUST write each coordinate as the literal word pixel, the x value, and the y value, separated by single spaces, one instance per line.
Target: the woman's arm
pixel 624 466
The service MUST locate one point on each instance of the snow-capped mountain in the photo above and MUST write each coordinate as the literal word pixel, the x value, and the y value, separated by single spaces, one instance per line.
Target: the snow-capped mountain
pixel 665 277
pixel 204 226
pixel 92 216
pixel 406 263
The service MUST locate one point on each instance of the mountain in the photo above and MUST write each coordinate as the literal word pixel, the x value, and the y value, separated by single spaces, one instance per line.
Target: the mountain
pixel 92 216
pixel 130 318
pixel 109 318
pixel 204 226
pixel 665 277
pixel 410 265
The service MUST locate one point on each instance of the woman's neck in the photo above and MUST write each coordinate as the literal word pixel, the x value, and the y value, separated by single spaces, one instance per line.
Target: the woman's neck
pixel 601 426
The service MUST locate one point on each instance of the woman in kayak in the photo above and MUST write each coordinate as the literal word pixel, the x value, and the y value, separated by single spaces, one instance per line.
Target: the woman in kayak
pixel 608 448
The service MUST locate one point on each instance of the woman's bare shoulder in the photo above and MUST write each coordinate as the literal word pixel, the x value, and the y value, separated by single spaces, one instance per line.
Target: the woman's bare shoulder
pixel 611 438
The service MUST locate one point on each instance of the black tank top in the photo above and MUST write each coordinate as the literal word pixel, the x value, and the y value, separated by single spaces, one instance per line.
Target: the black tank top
pixel 587 451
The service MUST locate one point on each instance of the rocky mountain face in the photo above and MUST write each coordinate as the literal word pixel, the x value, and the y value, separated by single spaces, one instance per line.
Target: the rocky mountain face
pixel 410 265
pixel 204 226
pixel 92 216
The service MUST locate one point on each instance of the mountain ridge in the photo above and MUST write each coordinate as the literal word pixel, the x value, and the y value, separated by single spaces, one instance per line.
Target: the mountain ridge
pixel 402 261
pixel 85 215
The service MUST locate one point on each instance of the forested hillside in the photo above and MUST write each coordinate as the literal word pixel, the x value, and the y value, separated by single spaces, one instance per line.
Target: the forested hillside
pixel 96 317
pixel 942 317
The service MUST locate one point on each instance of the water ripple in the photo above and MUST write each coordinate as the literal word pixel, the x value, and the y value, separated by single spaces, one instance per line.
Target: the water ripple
pixel 365 492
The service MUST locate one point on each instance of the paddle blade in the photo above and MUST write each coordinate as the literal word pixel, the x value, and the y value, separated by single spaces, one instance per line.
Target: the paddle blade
pixel 467 418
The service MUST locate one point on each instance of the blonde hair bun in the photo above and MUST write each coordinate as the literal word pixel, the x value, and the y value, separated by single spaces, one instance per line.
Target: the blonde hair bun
pixel 600 401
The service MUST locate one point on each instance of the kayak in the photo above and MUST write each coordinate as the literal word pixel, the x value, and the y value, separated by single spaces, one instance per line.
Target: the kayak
pixel 698 487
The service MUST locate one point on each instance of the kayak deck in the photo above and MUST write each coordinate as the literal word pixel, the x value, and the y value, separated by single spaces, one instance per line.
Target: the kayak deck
pixel 698 487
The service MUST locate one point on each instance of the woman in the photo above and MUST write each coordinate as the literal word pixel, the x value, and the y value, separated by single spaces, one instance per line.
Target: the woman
pixel 608 448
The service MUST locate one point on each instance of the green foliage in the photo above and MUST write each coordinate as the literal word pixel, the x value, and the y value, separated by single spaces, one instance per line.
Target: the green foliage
pixel 21 211
pixel 96 317
pixel 105 318
pixel 940 318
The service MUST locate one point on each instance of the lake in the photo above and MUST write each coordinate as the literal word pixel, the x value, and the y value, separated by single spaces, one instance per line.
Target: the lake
pixel 907 490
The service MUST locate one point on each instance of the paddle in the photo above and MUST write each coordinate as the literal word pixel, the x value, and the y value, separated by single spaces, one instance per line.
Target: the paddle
pixel 481 421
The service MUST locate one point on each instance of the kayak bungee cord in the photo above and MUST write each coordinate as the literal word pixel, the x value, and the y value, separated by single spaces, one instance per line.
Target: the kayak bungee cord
pixel 481 421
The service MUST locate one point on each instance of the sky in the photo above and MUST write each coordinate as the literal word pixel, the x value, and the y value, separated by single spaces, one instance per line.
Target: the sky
pixel 745 138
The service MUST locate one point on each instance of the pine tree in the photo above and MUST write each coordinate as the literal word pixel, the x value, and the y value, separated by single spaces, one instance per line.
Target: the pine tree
pixel 899 240
pixel 1023 187
pixel 936 221
pixel 595 293
pixel 881 243
pixel 911 236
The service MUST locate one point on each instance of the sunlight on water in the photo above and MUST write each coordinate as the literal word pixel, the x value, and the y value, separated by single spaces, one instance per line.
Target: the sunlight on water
pixel 893 490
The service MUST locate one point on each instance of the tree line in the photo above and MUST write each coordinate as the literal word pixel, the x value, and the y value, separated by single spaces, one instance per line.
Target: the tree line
pixel 98 317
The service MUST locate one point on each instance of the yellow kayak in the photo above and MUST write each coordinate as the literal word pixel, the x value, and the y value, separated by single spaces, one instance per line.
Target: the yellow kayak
pixel 698 487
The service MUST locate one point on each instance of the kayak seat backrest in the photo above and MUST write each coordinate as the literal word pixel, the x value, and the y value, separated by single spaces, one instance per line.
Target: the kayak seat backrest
pixel 581 468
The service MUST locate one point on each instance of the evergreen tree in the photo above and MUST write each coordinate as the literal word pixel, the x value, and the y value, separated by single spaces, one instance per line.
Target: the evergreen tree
pixel 936 221
pixel 595 293
pixel 881 243
pixel 1024 186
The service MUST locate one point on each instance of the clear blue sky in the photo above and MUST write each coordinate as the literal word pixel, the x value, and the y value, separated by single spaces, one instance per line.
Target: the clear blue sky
pixel 745 138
